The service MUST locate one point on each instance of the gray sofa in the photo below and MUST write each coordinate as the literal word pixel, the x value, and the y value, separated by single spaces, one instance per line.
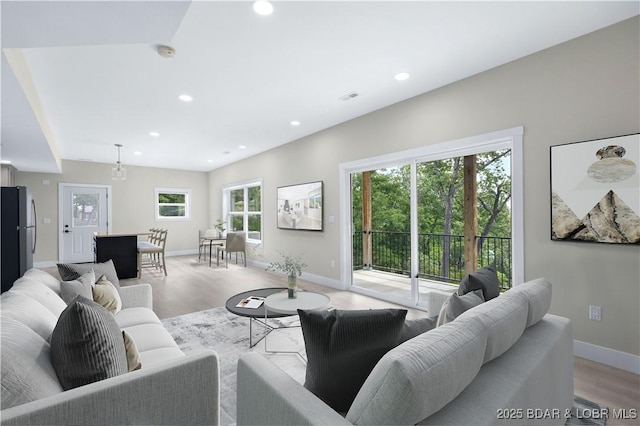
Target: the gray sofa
pixel 505 361
pixel 170 388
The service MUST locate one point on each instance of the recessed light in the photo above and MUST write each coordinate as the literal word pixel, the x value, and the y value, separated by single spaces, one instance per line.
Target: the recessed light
pixel 402 76
pixel 209 161
pixel 156 134
pixel 242 147
pixel 262 7
pixel 185 98
pixel 137 153
pixel 295 123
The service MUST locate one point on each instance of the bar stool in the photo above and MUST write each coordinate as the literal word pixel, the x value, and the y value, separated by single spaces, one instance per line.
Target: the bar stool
pixel 151 252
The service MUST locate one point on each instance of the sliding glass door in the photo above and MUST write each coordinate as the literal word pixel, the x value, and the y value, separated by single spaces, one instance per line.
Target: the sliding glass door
pixel 419 225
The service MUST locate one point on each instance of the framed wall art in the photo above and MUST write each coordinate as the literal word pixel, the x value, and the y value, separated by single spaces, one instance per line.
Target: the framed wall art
pixel 595 191
pixel 300 206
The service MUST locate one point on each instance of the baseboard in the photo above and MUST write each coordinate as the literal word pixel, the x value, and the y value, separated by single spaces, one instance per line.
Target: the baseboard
pixel 45 264
pixel 181 252
pixel 611 357
pixel 316 279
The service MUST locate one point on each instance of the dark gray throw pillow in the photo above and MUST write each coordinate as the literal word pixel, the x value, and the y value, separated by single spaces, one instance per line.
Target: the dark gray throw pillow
pixel 86 345
pixel 343 346
pixel 71 271
pixel 485 279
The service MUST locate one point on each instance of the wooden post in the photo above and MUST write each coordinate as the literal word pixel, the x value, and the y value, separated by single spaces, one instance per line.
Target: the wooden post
pixel 470 214
pixel 367 249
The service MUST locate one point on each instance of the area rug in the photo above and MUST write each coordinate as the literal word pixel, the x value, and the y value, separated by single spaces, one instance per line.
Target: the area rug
pixel 228 335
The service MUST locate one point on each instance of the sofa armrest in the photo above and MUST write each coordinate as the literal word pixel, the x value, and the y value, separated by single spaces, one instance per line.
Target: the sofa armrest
pixel 137 296
pixel 181 391
pixel 269 396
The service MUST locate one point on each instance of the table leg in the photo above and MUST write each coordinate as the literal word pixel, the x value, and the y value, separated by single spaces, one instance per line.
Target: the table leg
pixel 274 328
pixel 267 329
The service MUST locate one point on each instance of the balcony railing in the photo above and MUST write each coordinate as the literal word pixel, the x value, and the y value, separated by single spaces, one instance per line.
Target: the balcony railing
pixel 441 256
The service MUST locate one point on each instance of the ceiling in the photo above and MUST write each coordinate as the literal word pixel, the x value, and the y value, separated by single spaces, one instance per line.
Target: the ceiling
pixel 81 76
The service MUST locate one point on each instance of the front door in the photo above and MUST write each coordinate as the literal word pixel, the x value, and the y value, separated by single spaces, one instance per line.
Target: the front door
pixel 84 211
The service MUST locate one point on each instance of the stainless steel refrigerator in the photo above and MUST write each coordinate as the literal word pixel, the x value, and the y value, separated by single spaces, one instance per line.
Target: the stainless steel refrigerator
pixel 18 233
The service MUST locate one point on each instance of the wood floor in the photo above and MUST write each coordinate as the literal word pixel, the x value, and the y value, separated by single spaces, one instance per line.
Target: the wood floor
pixel 193 286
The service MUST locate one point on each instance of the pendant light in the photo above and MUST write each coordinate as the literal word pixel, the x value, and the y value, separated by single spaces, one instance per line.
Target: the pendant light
pixel 118 172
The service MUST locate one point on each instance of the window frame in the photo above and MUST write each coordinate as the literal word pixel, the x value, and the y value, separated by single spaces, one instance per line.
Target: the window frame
pixel 228 215
pixel 187 204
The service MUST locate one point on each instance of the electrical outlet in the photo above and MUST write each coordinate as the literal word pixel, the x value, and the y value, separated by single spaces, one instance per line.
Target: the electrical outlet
pixel 595 312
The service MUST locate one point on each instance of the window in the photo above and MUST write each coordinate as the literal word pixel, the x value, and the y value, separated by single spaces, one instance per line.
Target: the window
pixel 242 205
pixel 173 204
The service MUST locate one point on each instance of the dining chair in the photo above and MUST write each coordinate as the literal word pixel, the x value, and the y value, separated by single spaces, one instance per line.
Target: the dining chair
pixel 205 241
pixel 151 252
pixel 234 243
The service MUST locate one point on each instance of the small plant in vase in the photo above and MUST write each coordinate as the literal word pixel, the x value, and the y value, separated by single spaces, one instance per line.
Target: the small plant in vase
pixel 292 266
pixel 220 227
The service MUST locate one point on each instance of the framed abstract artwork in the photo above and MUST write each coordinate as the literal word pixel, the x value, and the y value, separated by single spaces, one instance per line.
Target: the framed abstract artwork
pixel 300 206
pixel 595 190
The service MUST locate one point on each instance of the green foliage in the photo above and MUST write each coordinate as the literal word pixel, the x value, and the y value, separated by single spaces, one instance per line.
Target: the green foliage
pixel 171 198
pixel 290 265
pixel 440 212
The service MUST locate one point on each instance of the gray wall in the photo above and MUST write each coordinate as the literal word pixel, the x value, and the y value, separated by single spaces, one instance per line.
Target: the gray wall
pixel 133 206
pixel 587 88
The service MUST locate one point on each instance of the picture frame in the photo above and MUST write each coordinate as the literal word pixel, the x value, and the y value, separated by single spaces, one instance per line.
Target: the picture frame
pixel 300 207
pixel 595 190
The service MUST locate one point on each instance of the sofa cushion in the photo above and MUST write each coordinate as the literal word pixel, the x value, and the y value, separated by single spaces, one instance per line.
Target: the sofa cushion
pixel 25 365
pixel 421 376
pixel 343 347
pixel 45 278
pixel 159 355
pixel 485 279
pixel 28 311
pixel 505 319
pixel 80 286
pixel 130 317
pixel 87 345
pixel 151 336
pixel 106 295
pixel 41 293
pixel 71 271
pixel 456 305
pixel 538 294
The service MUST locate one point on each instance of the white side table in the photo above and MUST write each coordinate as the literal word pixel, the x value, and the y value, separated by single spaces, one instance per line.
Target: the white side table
pixel 281 304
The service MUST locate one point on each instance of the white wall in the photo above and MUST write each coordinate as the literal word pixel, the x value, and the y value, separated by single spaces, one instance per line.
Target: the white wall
pixel 133 203
pixel 584 89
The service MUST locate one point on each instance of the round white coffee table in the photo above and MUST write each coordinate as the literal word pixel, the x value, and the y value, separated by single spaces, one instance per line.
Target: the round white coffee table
pixel 281 304
pixel 307 300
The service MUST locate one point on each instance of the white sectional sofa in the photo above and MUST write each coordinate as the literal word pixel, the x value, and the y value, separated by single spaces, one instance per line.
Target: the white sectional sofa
pixel 170 388
pixel 505 361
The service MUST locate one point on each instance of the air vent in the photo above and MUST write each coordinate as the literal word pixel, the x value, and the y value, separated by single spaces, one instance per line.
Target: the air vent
pixel 349 96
